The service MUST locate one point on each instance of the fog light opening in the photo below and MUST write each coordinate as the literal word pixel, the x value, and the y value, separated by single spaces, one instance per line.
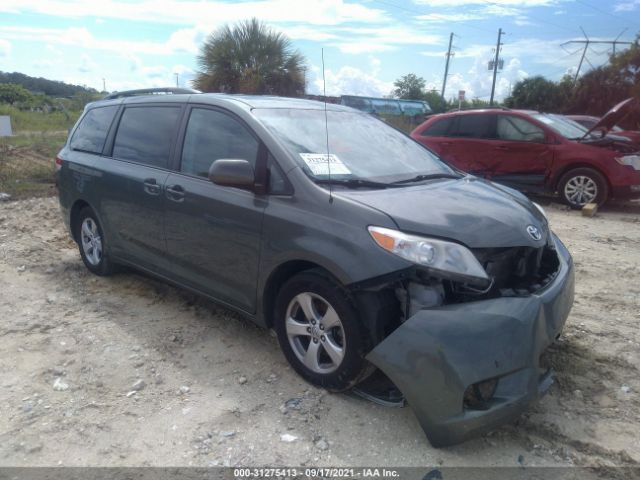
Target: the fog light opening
pixel 478 395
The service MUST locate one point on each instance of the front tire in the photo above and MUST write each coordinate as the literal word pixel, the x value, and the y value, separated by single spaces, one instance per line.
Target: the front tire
pixel 581 186
pixel 320 333
pixel 91 243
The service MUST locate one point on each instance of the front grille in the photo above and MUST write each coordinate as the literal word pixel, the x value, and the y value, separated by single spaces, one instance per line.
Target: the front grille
pixel 519 270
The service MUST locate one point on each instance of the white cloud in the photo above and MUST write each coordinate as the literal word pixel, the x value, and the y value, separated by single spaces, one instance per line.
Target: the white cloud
pixel 317 12
pixel 308 33
pixel 81 37
pixel 349 81
pixel 369 39
pixel 477 81
pixel 450 17
pixel 460 3
pixel 5 48
pixel 627 6
pixel 186 39
pixel 86 64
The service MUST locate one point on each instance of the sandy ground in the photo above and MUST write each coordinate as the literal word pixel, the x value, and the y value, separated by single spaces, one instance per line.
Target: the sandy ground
pixel 215 390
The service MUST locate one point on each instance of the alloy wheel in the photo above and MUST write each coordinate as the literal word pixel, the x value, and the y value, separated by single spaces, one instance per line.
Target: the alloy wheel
pixel 315 332
pixel 581 190
pixel 91 241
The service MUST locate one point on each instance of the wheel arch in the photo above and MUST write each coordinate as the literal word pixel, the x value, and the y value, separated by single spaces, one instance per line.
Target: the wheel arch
pixel 278 277
pixel 572 166
pixel 74 212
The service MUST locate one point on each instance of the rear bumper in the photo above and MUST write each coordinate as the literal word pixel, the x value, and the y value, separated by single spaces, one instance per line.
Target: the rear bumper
pixel 437 353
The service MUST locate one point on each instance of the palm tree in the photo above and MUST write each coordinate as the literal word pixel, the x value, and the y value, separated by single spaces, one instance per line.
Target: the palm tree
pixel 250 58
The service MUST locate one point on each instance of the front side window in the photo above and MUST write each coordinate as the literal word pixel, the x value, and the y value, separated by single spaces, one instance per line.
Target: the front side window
pixel 475 126
pixel 212 135
pixel 145 135
pixel 518 129
pixel 562 125
pixel 92 131
pixel 360 146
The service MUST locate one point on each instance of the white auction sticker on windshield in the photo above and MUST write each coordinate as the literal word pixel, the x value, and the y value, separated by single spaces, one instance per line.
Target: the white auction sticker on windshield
pixel 325 164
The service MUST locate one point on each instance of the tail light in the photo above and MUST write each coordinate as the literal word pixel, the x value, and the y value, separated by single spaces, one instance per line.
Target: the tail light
pixel 59 163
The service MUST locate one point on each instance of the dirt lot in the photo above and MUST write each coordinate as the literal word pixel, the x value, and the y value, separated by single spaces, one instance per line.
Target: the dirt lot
pixel 216 390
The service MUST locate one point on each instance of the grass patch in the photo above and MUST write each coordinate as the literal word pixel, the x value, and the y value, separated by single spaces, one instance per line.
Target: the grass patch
pixel 28 121
pixel 27 164
pixel 406 124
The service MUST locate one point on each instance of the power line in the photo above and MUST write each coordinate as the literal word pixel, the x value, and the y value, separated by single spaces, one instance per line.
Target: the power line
pixel 434 15
pixel 587 42
pixel 604 11
pixel 561 27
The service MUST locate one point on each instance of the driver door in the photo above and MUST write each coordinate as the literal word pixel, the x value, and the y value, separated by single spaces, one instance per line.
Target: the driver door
pixel 521 155
pixel 213 232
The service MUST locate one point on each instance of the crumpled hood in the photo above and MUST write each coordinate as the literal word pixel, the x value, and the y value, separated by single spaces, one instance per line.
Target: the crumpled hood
pixel 472 211
pixel 616 115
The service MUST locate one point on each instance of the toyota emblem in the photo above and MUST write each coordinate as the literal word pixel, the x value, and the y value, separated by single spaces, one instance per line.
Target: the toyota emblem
pixel 534 232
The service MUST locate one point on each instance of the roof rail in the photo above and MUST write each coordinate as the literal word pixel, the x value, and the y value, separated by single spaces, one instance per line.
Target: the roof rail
pixel 149 91
pixel 466 109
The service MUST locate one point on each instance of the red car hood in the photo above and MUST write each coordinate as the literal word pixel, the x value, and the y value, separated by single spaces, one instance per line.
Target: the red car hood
pixel 616 115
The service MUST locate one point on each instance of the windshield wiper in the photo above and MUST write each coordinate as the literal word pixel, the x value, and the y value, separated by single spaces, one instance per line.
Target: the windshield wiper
pixel 432 176
pixel 354 183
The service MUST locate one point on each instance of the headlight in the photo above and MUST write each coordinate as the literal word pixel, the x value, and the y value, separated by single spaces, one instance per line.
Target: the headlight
pixel 630 160
pixel 451 260
pixel 541 210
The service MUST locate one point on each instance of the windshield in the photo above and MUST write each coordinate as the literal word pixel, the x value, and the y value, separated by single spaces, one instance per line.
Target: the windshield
pixel 562 125
pixel 360 146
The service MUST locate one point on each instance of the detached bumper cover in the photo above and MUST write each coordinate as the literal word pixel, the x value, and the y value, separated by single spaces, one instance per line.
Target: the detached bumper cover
pixel 437 353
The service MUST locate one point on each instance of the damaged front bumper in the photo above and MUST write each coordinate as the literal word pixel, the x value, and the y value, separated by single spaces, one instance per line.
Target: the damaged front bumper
pixel 438 353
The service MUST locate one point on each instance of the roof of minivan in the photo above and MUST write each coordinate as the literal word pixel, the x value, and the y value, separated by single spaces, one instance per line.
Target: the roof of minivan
pixel 248 101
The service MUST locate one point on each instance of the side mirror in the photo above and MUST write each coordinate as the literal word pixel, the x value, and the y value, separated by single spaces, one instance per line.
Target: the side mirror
pixel 232 173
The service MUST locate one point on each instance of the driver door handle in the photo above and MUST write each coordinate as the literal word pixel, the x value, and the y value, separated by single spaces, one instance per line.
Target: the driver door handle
pixel 151 186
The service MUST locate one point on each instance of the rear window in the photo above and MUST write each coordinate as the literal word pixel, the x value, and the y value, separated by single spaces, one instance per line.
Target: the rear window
pixel 474 126
pixel 92 131
pixel 438 128
pixel 145 135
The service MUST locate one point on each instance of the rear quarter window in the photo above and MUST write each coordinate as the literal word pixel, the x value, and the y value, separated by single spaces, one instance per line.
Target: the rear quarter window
pixel 145 134
pixel 92 130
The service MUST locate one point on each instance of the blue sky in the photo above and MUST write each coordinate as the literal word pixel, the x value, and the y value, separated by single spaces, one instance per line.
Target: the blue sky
pixel 367 43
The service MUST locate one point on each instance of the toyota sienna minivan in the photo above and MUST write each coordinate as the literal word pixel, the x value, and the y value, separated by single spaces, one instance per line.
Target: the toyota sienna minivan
pixel 366 254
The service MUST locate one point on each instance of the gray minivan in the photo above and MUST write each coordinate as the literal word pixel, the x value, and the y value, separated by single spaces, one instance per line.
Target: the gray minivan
pixel 369 256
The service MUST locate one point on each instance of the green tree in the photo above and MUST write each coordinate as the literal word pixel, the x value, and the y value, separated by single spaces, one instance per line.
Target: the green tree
pixel 12 93
pixel 535 93
pixel 435 101
pixel 601 88
pixel 410 87
pixel 250 58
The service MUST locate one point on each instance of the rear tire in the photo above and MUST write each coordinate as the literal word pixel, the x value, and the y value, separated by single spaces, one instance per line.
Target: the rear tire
pixel 91 243
pixel 320 332
pixel 581 186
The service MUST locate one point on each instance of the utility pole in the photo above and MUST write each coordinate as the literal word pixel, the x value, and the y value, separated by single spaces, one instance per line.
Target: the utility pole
pixel 177 74
pixel 104 86
pixel 446 68
pixel 495 66
pixel 587 42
